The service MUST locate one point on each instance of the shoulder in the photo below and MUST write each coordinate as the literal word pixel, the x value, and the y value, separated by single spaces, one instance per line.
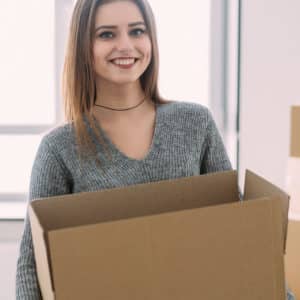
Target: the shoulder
pixel 58 138
pixel 191 112
pixel 52 154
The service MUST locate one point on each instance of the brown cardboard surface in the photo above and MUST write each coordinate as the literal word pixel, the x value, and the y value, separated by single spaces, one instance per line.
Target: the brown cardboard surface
pixel 295 131
pixel 41 255
pixel 143 199
pixel 175 239
pixel 292 257
pixel 256 186
pixel 142 258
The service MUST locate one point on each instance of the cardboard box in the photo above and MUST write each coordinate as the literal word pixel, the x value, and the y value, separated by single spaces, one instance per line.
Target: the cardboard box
pixel 295 132
pixel 188 238
pixel 293 165
pixel 292 258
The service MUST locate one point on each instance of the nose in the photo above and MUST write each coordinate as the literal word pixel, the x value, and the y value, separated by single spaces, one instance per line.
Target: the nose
pixel 124 43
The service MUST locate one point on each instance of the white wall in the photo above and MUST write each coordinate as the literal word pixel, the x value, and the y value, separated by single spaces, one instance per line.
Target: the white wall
pixel 270 84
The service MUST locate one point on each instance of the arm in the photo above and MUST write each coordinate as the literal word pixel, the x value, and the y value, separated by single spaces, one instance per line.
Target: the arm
pixel 213 157
pixel 48 178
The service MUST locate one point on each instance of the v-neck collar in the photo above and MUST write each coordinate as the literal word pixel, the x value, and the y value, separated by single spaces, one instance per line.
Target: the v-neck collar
pixel 117 154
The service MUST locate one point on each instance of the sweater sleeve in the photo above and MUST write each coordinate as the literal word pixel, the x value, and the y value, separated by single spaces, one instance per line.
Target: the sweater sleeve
pixel 214 157
pixel 49 177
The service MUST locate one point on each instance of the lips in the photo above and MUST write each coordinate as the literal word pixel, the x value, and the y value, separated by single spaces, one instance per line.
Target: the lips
pixel 124 62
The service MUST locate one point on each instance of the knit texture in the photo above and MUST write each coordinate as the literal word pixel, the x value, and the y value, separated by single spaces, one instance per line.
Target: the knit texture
pixel 186 142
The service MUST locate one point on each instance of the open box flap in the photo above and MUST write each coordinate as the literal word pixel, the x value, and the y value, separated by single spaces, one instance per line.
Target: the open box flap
pixel 41 256
pixel 137 200
pixel 257 187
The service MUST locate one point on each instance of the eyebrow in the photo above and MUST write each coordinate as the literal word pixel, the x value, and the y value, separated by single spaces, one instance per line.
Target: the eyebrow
pixel 114 26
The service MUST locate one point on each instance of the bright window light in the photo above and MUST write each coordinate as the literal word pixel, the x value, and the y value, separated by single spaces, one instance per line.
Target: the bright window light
pixel 17 155
pixel 27 62
pixel 183 38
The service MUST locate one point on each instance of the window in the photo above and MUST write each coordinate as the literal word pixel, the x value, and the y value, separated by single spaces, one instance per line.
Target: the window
pixel 31 60
pixel 184 43
pixel 30 57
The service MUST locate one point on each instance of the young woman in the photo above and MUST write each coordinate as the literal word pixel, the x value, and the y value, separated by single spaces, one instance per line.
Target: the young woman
pixel 119 131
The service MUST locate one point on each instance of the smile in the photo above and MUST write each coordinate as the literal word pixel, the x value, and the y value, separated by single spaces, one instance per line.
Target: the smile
pixel 124 62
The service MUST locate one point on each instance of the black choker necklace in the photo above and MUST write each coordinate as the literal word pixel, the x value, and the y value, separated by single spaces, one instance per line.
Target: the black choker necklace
pixel 121 109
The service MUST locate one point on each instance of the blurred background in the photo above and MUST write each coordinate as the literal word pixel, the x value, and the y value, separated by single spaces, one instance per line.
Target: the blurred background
pixel 240 58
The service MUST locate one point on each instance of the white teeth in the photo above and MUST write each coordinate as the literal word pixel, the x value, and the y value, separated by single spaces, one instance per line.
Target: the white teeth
pixel 128 61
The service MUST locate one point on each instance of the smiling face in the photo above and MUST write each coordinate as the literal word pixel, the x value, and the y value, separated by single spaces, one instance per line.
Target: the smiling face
pixel 121 46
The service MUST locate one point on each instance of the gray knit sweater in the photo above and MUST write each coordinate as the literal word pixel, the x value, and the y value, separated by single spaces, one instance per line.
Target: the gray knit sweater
pixel 185 143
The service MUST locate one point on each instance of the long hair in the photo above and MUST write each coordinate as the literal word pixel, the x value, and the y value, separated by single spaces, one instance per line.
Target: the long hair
pixel 79 88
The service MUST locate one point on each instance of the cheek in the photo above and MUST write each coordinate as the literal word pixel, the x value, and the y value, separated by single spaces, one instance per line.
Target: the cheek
pixel 147 49
pixel 149 46
pixel 99 63
pixel 99 54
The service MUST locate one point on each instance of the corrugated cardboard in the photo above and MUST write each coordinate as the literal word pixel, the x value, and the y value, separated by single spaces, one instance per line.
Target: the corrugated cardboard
pixel 188 238
pixel 292 257
pixel 295 132
pixel 255 187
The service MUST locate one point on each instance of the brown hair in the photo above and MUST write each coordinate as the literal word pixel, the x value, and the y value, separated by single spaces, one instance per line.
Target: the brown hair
pixel 79 89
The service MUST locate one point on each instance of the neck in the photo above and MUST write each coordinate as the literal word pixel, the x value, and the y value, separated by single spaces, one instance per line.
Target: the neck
pixel 120 96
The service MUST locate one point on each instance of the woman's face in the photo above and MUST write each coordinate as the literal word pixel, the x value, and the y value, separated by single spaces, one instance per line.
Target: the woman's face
pixel 122 46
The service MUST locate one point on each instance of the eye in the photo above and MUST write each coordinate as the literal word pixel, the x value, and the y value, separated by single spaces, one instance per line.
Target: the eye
pixel 137 32
pixel 106 35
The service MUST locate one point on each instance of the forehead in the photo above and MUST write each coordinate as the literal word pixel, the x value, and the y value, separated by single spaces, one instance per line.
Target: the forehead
pixel 118 13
